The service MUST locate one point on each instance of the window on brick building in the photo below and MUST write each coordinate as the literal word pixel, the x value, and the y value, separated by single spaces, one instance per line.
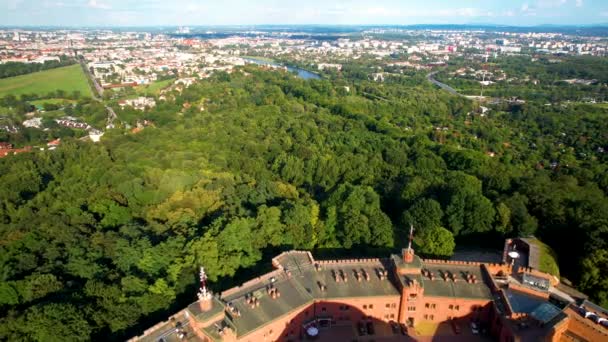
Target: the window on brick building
pixel 388 305
pixel 433 306
pixel 365 306
pixel 451 307
pixel 394 305
pixel 432 317
pixel 426 316
pixel 371 306
pixel 411 308
pixel 427 305
pixel 457 307
pixel 392 315
pixel 323 309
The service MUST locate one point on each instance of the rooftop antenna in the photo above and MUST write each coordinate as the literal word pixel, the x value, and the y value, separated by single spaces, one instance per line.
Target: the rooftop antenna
pixel 409 246
pixel 203 292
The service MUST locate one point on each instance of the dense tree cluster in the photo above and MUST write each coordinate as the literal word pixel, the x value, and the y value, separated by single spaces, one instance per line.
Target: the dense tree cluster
pixel 99 240
pixel 534 78
pixel 10 69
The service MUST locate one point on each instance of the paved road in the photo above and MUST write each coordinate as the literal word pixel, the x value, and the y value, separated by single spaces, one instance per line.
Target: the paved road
pixel 444 86
pixel 98 93
pixel 98 88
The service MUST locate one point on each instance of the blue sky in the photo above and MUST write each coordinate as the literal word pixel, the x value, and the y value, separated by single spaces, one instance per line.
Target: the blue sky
pixel 247 12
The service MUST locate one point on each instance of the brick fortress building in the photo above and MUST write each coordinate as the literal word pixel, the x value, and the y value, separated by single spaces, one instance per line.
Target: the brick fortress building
pixel 306 299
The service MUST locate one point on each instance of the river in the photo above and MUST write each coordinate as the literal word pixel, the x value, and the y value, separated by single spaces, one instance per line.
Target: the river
pixel 304 74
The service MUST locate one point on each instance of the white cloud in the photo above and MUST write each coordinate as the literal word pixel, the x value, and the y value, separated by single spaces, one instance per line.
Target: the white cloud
pixel 550 3
pixel 13 4
pixel 579 3
pixel 525 7
pixel 98 5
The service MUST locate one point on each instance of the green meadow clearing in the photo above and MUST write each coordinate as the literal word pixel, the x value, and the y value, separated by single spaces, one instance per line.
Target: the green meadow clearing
pixel 70 78
pixel 153 88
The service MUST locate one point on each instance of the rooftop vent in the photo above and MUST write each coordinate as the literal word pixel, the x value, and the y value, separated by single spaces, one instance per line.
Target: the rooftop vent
pixel 252 300
pixel 233 310
pixel 336 276
pixel 273 292
pixel 344 276
pixel 322 286
pixel 220 329
pixel 471 278
pixel 382 273
pixel 365 275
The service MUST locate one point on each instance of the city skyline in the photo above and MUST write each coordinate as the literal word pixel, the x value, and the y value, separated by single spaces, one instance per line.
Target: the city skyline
pixel 272 12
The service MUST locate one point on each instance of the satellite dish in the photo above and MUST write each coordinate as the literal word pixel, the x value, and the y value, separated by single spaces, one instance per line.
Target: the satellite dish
pixel 312 331
pixel 514 254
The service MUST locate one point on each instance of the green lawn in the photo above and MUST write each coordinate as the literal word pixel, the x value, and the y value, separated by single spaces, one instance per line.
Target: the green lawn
pixel 153 88
pixel 68 79
pixel 548 258
pixel 51 101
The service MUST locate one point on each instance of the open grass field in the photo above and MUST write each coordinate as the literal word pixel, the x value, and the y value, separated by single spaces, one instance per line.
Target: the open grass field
pixel 153 88
pixel 70 78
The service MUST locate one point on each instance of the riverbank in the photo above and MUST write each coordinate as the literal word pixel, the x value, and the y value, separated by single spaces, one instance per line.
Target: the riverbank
pixel 302 73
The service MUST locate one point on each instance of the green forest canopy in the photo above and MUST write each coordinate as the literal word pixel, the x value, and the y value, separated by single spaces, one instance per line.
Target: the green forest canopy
pixel 100 240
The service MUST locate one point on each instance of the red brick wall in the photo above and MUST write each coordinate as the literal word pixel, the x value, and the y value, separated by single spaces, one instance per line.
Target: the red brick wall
pixel 439 309
pixel 585 328
pixel 359 309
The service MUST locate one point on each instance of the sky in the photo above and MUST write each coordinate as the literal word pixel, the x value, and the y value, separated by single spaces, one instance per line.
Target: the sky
pixel 334 12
